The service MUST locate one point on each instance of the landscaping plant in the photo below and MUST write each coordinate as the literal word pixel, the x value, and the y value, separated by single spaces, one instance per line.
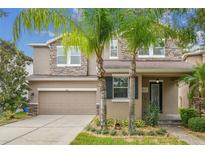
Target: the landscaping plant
pixel 197 124
pixel 13 84
pixel 186 114
pixel 9 115
pixel 151 133
pixel 140 123
pixel 196 82
pixel 161 131
pixel 113 132
pixel 152 115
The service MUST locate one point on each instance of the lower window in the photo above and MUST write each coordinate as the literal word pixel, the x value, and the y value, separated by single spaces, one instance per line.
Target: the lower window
pixel 120 87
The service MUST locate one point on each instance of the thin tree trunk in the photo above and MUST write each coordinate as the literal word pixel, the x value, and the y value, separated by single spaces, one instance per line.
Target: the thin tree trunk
pixel 102 87
pixel 132 75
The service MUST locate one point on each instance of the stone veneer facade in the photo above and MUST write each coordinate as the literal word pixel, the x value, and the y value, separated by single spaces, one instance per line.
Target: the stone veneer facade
pixel 67 70
pixel 172 52
pixel 33 109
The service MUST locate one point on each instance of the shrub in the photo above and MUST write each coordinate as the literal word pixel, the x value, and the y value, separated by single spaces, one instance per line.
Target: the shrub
pixel 124 133
pixel 9 115
pixel 140 123
pixel 197 124
pixel 110 122
pixel 186 114
pixel 105 131
pixel 98 131
pixel 88 128
pixel 151 133
pixel 152 116
pixel 124 123
pixel 161 131
pixel 113 132
pixel 139 132
pixel 97 121
pixel 92 129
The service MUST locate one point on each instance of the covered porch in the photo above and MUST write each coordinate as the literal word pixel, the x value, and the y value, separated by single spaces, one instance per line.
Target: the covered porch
pixel 163 91
pixel 158 82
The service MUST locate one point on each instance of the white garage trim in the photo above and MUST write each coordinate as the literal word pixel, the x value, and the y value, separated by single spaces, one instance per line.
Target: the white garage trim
pixel 67 89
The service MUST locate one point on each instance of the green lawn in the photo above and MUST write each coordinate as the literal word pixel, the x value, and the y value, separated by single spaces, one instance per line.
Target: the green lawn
pixel 86 138
pixel 18 116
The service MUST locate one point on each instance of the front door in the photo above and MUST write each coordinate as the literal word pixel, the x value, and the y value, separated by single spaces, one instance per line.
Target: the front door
pixel 156 94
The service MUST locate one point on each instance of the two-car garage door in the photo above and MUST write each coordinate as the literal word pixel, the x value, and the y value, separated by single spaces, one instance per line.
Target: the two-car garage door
pixel 67 102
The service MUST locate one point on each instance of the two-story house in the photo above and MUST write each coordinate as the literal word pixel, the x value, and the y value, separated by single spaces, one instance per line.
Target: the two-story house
pixel 67 83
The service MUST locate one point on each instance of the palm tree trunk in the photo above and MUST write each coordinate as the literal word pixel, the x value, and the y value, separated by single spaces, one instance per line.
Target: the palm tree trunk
pixel 132 75
pixel 102 88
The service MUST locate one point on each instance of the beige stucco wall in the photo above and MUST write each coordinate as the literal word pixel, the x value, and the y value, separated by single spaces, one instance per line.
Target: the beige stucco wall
pixel 183 99
pixel 41 59
pixel 194 59
pixel 169 96
pixel 92 65
pixel 119 110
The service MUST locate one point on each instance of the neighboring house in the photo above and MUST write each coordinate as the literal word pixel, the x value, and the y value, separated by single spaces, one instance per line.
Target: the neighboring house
pixel 29 68
pixel 67 83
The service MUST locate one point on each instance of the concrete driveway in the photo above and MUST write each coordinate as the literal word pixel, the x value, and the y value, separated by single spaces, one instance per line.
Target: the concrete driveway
pixel 44 129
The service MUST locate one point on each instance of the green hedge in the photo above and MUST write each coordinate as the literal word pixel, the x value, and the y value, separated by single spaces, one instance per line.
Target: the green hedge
pixel 186 114
pixel 197 124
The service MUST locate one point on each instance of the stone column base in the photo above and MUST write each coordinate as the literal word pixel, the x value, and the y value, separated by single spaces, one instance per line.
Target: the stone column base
pixel 33 109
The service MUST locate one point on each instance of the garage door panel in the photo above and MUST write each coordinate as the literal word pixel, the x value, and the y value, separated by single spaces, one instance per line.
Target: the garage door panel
pixel 67 102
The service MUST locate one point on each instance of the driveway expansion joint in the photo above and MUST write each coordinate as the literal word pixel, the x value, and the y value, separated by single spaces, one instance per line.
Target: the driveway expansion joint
pixel 35 129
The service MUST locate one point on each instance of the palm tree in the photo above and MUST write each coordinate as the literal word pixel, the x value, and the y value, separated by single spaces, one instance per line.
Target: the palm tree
pixel 90 31
pixel 140 28
pixel 196 82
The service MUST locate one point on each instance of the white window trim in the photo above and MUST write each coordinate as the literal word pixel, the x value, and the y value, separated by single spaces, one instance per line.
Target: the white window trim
pixel 120 98
pixel 67 60
pixel 151 53
pixel 115 57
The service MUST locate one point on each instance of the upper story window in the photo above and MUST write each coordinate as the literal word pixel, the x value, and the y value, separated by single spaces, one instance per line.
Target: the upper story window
pixel 153 51
pixel 120 87
pixel 114 49
pixel 70 58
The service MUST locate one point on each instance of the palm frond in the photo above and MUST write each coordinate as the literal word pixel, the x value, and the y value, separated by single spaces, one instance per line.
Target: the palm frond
pixel 40 19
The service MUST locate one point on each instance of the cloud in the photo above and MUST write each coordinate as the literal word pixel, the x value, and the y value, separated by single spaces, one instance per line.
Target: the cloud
pixel 49 33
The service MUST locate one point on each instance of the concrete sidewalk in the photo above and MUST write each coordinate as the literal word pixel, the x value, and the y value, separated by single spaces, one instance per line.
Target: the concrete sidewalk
pixel 44 129
pixel 182 135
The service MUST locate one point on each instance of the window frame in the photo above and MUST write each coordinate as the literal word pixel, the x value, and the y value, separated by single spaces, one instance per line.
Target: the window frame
pixel 113 88
pixel 151 52
pixel 113 57
pixel 59 56
pixel 68 58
